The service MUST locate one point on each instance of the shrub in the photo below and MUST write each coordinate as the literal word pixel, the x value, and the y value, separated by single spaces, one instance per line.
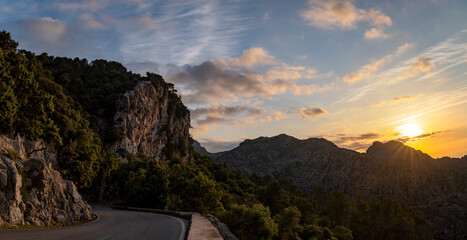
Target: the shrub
pixel 12 154
pixel 250 222
pixel 24 195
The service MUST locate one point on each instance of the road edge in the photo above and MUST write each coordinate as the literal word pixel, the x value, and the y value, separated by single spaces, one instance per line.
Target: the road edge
pixel 199 226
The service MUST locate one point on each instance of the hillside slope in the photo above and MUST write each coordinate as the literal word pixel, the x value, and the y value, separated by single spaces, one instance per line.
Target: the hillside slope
pixel 438 187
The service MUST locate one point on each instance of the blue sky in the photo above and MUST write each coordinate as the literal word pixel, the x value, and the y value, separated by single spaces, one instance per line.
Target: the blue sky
pixel 351 71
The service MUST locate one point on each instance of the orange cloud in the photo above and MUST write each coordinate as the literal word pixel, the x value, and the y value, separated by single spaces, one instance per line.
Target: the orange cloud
pixel 423 65
pixel 375 33
pixel 369 70
pixel 397 100
pixel 342 14
pixel 366 71
pixel 252 57
pixel 311 112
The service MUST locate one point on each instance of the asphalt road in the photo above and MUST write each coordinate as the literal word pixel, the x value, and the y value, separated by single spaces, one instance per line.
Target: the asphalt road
pixel 113 224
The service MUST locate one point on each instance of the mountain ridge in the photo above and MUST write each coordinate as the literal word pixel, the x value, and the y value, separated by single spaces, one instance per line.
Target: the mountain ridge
pixel 435 186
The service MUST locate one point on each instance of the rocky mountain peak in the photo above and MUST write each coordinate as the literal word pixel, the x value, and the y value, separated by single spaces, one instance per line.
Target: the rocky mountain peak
pixel 436 187
pixel 396 150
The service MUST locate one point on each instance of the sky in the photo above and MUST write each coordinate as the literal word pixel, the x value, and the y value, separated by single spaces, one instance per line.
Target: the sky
pixel 350 71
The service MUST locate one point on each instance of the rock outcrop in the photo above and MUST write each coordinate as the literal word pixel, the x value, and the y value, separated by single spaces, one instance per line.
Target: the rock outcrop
pixel 438 187
pixel 31 191
pixel 154 122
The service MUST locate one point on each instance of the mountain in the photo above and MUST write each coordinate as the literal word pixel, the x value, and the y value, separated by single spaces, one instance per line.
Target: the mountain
pixel 438 187
pixel 67 124
pixel 200 149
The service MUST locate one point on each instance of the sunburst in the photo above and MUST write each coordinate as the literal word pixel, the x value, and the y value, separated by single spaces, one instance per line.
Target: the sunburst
pixel 409 130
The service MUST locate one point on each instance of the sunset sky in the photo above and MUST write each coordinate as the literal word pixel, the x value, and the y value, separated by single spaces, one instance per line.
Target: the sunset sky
pixel 352 72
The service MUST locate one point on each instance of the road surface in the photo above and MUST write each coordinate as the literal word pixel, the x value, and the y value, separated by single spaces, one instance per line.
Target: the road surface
pixel 113 224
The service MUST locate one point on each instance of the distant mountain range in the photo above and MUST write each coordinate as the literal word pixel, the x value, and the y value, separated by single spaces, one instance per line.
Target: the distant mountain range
pixel 437 187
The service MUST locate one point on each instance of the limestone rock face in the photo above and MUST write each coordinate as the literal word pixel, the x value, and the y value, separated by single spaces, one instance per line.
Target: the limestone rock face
pixel 438 187
pixel 152 122
pixel 32 192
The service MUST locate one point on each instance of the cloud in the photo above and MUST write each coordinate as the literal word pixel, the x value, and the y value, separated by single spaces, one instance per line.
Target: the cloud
pixel 87 5
pixel 354 142
pixel 403 48
pixel 219 81
pixel 423 65
pixel 397 100
pixel 440 80
pixel 210 120
pixel 185 32
pixel 421 136
pixel 375 33
pixel 208 116
pixel 90 22
pixel 302 57
pixel 94 5
pixel 45 29
pixel 224 110
pixel 311 112
pixel 255 56
pixel 448 54
pixel 147 22
pixel 342 14
pixel 369 70
pixel 365 136
pixel 366 71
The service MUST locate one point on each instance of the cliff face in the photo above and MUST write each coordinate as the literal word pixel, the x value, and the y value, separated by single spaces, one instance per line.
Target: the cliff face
pixel 31 191
pixel 152 121
pixel 438 187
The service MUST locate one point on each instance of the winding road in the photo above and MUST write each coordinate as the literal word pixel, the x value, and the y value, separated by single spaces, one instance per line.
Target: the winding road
pixel 112 224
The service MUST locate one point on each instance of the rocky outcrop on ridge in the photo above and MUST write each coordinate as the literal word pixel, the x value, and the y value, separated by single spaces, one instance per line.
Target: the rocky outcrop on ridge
pixel 31 191
pixel 200 149
pixel 438 187
pixel 152 121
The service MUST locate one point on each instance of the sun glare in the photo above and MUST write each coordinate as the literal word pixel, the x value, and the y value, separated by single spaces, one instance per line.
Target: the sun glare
pixel 409 130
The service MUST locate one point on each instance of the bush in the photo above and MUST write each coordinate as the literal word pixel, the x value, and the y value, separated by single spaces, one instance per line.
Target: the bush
pixel 250 222
pixel 12 154
pixel 24 195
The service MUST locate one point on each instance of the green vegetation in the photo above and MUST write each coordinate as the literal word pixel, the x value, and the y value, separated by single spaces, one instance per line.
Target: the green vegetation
pixel 61 101
pixel 42 97
pixel 33 105
pixel 12 154
pixel 262 207
pixel 24 195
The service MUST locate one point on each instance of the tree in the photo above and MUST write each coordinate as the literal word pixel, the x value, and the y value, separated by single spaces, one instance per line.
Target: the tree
pixel 289 223
pixel 196 190
pixel 253 222
pixel 337 208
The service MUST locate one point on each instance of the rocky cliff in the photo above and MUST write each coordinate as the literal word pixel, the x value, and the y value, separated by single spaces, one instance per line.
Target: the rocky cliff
pixel 31 191
pixel 151 120
pixel 438 187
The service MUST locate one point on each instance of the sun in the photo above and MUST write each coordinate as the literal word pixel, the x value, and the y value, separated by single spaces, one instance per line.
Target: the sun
pixel 409 130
